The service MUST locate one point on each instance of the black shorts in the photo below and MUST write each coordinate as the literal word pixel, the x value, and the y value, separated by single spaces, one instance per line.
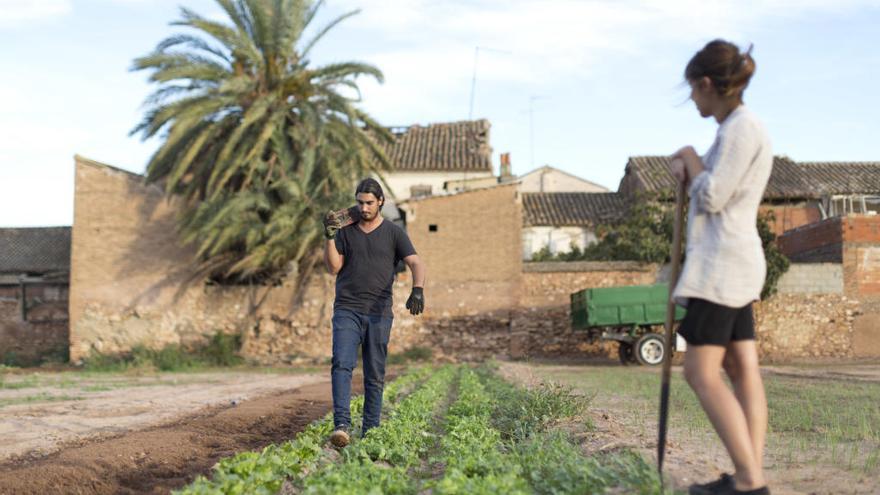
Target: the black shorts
pixel 707 323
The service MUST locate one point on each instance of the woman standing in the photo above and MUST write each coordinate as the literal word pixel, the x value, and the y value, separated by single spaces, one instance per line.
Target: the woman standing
pixel 724 269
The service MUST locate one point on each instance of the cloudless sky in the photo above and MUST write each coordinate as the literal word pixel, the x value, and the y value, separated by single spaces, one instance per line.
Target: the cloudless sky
pixel 602 79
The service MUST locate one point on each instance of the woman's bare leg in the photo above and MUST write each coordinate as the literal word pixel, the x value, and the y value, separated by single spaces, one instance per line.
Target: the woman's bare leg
pixel 702 370
pixel 741 364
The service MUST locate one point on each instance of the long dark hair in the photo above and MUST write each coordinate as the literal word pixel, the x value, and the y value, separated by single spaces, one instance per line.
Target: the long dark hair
pixel 373 187
pixel 723 63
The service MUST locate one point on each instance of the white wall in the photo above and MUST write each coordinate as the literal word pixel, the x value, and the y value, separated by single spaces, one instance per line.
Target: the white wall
pixel 555 181
pixel 559 239
pixel 400 182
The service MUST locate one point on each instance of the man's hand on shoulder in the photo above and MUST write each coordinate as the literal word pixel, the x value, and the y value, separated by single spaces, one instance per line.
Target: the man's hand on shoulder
pixel 332 224
pixel 416 302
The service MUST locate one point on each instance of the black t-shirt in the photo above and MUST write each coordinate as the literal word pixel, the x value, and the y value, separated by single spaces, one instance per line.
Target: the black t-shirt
pixel 364 283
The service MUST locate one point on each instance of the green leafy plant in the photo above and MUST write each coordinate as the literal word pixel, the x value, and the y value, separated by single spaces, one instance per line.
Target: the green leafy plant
pixel 266 471
pixel 777 263
pixel 221 350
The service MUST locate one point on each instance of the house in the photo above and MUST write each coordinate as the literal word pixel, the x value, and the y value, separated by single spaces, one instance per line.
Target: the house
pixel 798 193
pixel 426 158
pixel 549 179
pixel 560 220
pixel 34 274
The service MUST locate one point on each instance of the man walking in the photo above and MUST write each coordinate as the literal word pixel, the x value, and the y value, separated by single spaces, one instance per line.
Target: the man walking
pixel 363 257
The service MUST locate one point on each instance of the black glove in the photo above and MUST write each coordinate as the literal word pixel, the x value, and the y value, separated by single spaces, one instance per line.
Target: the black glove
pixel 331 225
pixel 416 302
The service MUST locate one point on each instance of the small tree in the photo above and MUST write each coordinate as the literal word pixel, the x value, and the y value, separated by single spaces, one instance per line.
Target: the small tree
pixel 644 234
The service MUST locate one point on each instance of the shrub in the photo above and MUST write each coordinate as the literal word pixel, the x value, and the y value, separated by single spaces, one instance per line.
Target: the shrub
pixel 221 350
pixel 413 354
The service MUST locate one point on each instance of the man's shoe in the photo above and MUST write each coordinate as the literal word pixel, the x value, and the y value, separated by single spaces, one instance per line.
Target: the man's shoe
pixel 339 438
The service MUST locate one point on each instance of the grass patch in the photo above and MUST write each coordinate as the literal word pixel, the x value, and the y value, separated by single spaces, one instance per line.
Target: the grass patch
pixel 98 388
pixel 29 381
pixel 55 356
pixel 810 420
pixel 43 397
pixel 221 351
pixel 413 354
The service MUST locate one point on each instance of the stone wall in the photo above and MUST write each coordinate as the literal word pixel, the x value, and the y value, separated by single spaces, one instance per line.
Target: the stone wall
pixel 541 327
pixel 128 271
pixel 791 324
pixel 129 286
pixel 131 281
pixel 806 326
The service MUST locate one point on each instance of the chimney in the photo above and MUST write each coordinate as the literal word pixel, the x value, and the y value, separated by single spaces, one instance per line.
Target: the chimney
pixel 506 172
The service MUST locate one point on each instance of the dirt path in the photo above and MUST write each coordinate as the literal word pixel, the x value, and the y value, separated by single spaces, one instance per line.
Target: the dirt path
pixel 160 458
pixel 50 410
pixel 696 456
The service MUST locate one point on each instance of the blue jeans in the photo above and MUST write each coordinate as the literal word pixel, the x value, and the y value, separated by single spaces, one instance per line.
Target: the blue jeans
pixel 370 332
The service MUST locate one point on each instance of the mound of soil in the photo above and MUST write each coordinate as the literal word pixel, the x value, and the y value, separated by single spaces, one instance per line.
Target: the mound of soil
pixel 168 457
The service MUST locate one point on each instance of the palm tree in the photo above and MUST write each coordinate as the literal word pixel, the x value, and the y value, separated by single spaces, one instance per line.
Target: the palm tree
pixel 257 143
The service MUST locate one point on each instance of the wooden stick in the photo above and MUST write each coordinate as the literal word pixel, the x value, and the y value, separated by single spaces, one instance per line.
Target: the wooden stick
pixel 680 194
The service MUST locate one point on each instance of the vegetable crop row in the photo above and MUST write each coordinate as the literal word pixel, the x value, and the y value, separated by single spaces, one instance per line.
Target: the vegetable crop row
pixel 264 472
pixel 381 462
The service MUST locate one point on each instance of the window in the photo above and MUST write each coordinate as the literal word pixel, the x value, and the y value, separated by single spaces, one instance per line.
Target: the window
pixel 840 205
pixel 432 227
pixel 420 190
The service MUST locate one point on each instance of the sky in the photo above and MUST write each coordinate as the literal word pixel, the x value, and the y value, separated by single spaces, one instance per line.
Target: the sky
pixel 578 85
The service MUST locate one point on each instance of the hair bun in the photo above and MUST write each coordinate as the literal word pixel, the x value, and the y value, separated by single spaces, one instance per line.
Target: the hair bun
pixel 725 65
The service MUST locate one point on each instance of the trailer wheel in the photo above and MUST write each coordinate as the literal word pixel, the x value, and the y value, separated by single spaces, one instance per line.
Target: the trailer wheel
pixel 650 349
pixel 625 353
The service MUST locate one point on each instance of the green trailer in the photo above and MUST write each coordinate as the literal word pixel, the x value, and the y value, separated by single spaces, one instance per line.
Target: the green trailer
pixel 633 316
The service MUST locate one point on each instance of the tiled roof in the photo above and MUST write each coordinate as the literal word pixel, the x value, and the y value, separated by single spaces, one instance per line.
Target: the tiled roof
pixel 572 208
pixel 35 250
pixel 455 146
pixel 789 179
pixel 815 179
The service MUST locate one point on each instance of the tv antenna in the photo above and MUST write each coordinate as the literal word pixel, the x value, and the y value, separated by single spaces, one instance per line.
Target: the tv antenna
pixel 474 78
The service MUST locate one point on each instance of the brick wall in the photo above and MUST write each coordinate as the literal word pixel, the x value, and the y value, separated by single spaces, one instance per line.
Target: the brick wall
pixel 473 237
pixel 43 336
pixel 790 216
pixel 861 256
pixel 815 243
